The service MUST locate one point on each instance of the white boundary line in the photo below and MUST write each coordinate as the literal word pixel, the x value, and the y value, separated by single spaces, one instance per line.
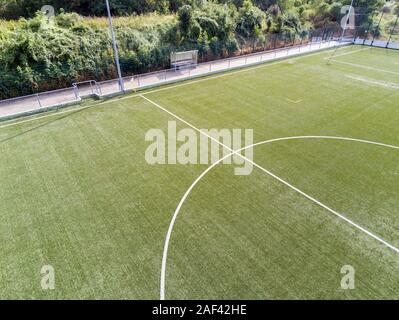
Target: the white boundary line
pixel 266 63
pixel 237 152
pixel 347 53
pixel 374 82
pixel 366 67
pixel 186 194
pixel 294 101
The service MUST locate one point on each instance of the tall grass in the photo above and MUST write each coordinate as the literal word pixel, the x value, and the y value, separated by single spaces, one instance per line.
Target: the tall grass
pixel 134 21
pixel 138 22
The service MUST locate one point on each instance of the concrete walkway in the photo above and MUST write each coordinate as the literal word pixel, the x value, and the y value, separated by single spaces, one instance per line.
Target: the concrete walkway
pixel 26 105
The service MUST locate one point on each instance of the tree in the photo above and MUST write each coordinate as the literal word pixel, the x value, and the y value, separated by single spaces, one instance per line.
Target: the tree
pixel 185 16
pixel 250 19
pixel 290 22
pixel 203 43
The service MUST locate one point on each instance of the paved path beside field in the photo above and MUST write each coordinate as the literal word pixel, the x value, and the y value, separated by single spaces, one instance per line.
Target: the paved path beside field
pixel 35 103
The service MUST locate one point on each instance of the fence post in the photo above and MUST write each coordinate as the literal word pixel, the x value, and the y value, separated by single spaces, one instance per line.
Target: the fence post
pixel 382 15
pixel 75 91
pixel 38 100
pixel 99 89
pixel 368 29
pixel 322 37
pixel 393 29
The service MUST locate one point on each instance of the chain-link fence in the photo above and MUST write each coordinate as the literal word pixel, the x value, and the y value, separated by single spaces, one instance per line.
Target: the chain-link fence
pixel 380 30
pixel 51 99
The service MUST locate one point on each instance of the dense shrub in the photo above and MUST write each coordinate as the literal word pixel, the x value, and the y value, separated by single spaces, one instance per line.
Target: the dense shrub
pixel 38 54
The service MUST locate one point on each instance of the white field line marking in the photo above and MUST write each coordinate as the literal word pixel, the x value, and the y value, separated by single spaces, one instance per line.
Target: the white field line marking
pixel 366 67
pixel 164 257
pixel 347 53
pixel 186 194
pixel 41 117
pixel 266 64
pixel 374 82
pixel 294 101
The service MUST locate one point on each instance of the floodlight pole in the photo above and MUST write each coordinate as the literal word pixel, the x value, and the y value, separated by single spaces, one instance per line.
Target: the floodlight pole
pixel 111 30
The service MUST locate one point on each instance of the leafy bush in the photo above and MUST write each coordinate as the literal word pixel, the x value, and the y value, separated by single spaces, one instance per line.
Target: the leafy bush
pixel 38 54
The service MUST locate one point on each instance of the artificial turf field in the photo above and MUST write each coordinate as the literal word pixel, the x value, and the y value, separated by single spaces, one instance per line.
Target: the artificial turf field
pixel 76 192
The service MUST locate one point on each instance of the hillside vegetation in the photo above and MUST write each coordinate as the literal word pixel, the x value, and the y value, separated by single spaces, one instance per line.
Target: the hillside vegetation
pixel 39 54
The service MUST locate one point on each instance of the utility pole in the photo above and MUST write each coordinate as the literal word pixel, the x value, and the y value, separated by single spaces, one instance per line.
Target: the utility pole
pixel 111 30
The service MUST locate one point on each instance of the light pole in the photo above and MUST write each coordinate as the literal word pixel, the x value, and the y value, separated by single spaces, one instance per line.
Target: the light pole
pixel 111 30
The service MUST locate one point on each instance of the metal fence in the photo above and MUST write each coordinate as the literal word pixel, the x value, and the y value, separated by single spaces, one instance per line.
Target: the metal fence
pixel 52 99
pixel 35 102
pixel 381 30
pixel 276 46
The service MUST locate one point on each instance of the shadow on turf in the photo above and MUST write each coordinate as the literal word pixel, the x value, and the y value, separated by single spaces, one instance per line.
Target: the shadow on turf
pixel 62 117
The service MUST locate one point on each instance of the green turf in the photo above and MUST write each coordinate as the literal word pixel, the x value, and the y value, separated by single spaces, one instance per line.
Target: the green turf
pixel 77 193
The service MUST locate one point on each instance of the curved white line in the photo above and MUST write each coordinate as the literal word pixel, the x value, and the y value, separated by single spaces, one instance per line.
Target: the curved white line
pixel 186 194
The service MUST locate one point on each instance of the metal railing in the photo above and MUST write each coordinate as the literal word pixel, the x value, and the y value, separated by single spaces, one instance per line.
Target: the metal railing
pixel 39 101
pixel 42 101
pixel 86 88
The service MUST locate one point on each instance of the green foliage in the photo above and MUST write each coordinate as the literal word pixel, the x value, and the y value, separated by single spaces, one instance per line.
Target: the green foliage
pixel 186 20
pixel 250 20
pixel 76 191
pixel 68 20
pixel 38 54
pixel 13 9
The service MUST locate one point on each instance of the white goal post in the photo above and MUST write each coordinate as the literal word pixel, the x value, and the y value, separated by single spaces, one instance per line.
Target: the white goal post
pixel 179 60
